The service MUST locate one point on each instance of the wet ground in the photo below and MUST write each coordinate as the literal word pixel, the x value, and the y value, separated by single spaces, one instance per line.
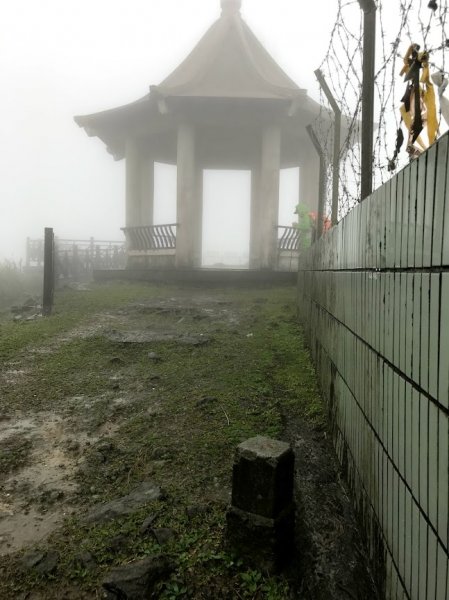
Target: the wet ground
pixel 43 451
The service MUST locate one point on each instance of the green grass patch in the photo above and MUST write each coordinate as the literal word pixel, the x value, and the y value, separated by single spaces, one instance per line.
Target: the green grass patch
pixel 176 421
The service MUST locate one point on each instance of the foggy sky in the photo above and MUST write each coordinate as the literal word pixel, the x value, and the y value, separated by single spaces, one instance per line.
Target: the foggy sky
pixel 60 58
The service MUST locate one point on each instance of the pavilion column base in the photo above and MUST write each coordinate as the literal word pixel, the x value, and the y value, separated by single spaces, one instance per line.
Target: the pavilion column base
pixel 189 201
pixel 150 262
pixel 287 264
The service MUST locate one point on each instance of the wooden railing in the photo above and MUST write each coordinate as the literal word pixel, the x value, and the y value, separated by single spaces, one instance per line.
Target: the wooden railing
pixel 288 238
pixel 34 253
pixel 151 237
pixel 73 257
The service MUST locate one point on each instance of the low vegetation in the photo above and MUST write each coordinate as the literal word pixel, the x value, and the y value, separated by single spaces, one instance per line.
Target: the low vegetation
pixel 146 383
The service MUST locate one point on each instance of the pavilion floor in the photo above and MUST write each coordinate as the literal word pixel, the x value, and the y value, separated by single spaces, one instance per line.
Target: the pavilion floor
pixel 199 276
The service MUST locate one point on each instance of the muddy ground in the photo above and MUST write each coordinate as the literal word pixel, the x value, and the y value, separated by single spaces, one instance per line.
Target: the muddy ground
pixel 129 384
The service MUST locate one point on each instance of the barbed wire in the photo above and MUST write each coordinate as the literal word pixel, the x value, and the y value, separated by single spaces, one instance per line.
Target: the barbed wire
pixel 400 24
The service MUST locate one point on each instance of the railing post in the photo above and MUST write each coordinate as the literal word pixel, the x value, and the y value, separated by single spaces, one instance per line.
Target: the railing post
pixel 92 252
pixel 322 183
pixel 49 272
pixel 337 136
pixel 28 253
pixel 40 253
pixel 369 60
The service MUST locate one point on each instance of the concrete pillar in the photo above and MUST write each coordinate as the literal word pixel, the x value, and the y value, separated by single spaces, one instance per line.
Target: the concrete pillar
pixel 188 237
pixel 269 196
pixel 147 191
pixel 133 184
pixel 260 521
pixel 254 243
pixel 198 222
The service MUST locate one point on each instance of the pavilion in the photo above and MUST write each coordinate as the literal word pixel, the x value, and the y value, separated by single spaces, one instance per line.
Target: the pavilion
pixel 227 106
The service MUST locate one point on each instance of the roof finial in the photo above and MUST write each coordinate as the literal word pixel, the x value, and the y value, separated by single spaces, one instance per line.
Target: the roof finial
pixel 230 7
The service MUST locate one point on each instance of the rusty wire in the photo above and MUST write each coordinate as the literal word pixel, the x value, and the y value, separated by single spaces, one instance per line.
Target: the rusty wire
pixel 398 26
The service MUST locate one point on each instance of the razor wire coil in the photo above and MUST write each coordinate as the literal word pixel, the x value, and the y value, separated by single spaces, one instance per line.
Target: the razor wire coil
pixel 411 21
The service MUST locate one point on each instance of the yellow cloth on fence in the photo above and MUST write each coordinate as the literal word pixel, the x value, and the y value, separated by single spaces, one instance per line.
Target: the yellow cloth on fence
pixel 430 104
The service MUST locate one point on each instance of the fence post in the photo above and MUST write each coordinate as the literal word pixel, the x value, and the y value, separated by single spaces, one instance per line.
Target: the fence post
pixel 337 136
pixel 322 184
pixel 49 271
pixel 369 60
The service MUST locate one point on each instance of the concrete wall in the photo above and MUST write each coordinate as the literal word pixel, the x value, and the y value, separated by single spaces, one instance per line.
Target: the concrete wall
pixel 373 295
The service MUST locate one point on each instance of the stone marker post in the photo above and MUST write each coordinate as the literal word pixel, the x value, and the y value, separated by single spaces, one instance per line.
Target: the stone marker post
pixel 261 518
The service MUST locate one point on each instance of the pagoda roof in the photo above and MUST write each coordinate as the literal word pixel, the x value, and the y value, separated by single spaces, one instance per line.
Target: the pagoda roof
pixel 229 62
pixel 228 65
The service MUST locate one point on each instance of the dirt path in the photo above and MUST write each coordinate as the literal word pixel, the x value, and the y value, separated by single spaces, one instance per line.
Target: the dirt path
pixel 43 450
pixel 164 387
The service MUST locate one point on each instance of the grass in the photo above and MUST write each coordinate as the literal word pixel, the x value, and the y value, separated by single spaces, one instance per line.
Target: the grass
pixel 177 421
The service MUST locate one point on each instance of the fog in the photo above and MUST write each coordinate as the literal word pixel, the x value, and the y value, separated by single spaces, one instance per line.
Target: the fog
pixel 64 58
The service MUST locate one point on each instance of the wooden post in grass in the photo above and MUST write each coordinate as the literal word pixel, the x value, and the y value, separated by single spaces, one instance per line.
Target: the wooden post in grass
pixel 49 271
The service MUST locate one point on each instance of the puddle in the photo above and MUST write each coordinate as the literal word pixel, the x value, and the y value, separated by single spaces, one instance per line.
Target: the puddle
pixel 26 514
pixel 146 337
pixel 20 528
pixel 35 499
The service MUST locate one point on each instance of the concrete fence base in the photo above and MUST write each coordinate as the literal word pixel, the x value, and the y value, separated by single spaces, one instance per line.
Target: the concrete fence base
pixel 373 295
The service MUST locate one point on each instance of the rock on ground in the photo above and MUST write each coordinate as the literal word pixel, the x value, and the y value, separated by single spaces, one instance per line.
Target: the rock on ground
pixel 137 580
pixel 44 563
pixel 145 492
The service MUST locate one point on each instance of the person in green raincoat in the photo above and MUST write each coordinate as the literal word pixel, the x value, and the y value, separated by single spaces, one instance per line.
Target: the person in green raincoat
pixel 304 225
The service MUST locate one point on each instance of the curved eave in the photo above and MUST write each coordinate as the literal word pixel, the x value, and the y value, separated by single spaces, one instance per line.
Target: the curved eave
pixel 121 114
pixel 111 125
pixel 230 62
pixel 117 121
pixel 155 117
